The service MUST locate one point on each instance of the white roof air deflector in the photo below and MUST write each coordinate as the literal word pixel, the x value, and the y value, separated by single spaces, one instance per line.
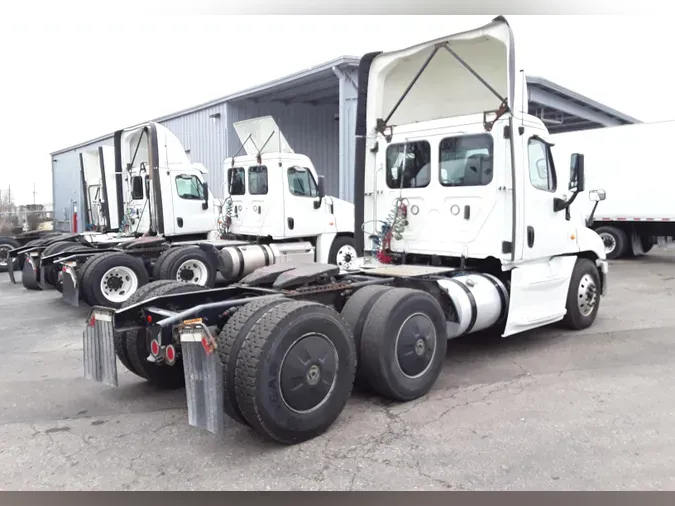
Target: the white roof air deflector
pixel 461 74
pixel 259 136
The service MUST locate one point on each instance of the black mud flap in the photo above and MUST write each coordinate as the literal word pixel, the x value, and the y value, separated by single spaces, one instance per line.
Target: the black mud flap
pixel 71 286
pixel 10 261
pixel 42 280
pixel 30 276
pixel 98 347
pixel 203 378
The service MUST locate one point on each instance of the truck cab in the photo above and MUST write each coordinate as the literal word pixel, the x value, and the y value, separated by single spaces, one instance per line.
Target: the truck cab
pixel 457 173
pixel 274 192
pixel 163 192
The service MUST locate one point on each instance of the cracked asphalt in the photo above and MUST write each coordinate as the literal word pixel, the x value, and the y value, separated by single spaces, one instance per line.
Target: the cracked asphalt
pixel 546 410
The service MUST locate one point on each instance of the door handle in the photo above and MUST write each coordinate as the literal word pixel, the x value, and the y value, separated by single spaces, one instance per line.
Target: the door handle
pixel 467 212
pixel 530 236
pixel 180 222
pixel 291 223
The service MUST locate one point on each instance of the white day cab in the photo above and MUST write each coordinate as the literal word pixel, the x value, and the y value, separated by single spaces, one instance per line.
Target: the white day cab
pixel 638 212
pixel 466 227
pixel 183 235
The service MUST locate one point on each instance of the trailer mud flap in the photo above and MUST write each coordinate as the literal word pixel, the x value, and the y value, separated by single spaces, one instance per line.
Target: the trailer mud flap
pixel 30 276
pixel 71 287
pixel 203 379
pixel 98 347
pixel 42 281
pixel 11 271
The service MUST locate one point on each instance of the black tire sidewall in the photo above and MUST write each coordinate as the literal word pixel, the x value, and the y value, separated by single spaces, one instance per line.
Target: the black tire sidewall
pixel 620 238
pixel 278 418
pixel 229 361
pixel 355 313
pixel 8 241
pixel 574 319
pixel 378 346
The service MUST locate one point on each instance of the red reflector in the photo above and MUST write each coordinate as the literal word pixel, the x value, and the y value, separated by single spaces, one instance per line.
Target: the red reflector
pixel 92 321
pixel 206 345
pixel 170 353
pixel 154 347
pixel 148 318
pixel 63 269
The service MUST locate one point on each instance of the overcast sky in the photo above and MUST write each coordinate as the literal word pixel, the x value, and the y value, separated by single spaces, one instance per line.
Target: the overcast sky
pixel 69 79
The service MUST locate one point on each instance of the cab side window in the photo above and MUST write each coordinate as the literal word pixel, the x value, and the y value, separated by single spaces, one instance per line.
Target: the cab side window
pixel 542 171
pixel 301 182
pixel 189 187
pixel 236 182
pixel 257 180
pixel 408 165
pixel 137 188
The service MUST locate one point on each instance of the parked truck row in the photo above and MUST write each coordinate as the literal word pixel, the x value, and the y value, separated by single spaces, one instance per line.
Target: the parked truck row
pixel 464 220
pixel 152 216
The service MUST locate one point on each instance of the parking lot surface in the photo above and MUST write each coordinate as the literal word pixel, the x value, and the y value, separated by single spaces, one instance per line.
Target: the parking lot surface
pixel 548 409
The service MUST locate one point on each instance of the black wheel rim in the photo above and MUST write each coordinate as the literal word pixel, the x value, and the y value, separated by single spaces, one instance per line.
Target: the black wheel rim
pixel 415 345
pixel 308 373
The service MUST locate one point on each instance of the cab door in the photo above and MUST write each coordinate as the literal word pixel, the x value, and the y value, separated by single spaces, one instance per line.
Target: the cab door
pixel 189 215
pixel 540 280
pixel 546 231
pixel 303 218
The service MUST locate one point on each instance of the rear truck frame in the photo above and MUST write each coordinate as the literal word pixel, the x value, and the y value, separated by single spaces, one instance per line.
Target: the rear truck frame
pixel 480 238
pixel 11 244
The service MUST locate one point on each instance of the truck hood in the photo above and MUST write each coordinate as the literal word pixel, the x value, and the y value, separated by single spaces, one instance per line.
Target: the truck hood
pixel 343 212
pixel 445 88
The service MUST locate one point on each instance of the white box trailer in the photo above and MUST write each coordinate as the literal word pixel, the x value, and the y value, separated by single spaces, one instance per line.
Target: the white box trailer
pixel 639 210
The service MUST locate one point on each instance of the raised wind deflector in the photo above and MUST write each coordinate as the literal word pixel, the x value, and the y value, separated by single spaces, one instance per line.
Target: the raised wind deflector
pixel 457 75
pixel 259 136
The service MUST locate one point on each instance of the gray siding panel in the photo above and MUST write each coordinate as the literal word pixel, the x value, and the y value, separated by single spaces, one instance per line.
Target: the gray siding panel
pixel 311 130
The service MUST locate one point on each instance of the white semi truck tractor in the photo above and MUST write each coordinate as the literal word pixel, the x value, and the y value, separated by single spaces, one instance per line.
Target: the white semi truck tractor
pixel 464 226
pixel 171 227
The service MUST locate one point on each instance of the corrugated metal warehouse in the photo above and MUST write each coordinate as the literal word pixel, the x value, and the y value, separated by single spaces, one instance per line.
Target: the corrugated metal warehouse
pixel 316 111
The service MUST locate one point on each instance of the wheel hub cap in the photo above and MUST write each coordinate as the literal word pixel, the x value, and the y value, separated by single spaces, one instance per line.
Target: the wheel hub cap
pixel 346 256
pixel 4 255
pixel 587 295
pixel 608 242
pixel 416 345
pixel 186 274
pixel 114 283
pixel 193 271
pixel 308 373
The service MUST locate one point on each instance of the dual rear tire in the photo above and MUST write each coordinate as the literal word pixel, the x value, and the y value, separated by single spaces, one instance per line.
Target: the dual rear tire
pixel 289 366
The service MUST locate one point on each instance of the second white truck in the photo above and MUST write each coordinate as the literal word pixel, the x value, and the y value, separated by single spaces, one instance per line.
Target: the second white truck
pixel 172 228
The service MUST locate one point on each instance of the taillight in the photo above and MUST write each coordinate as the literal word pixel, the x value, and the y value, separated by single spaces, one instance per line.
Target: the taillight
pixel 170 354
pixel 154 348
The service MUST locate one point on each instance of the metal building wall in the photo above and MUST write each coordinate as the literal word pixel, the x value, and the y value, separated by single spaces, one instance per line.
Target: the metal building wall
pixel 66 187
pixel 205 138
pixel 349 91
pixel 312 130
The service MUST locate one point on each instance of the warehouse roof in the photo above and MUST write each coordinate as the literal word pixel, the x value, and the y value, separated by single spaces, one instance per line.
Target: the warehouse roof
pixel 561 109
